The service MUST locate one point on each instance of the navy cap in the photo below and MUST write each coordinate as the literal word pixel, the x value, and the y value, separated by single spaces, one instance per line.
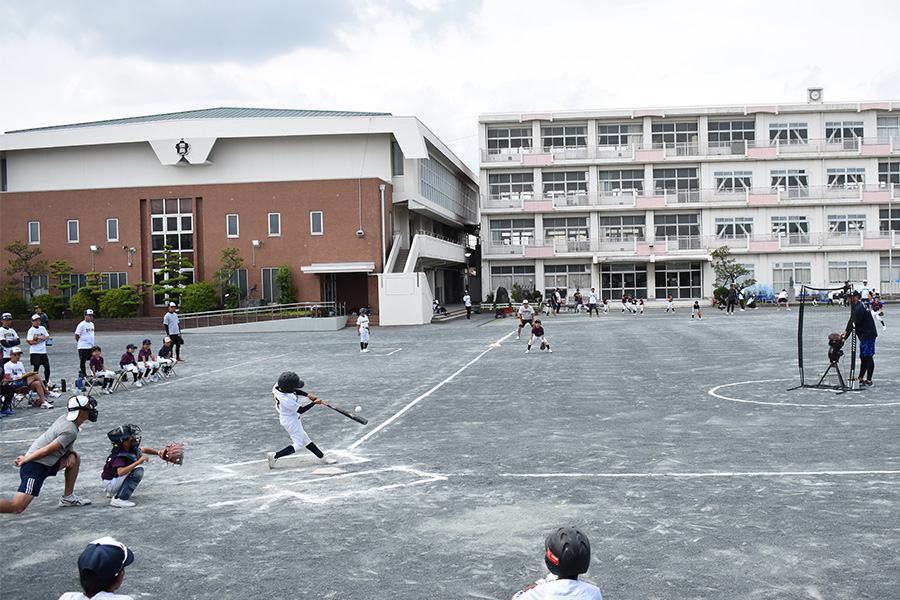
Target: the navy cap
pixel 856 293
pixel 130 347
pixel 105 557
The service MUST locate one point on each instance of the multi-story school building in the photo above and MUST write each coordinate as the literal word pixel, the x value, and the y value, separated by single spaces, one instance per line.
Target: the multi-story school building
pixel 365 208
pixel 634 201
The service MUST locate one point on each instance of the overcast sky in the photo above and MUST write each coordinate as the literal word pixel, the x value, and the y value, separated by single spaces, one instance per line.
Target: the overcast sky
pixel 442 61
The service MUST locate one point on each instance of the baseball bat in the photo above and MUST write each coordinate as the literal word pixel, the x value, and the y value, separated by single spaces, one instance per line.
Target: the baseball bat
pixel 346 413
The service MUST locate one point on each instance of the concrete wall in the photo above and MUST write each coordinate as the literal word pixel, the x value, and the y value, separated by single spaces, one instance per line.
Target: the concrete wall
pixel 281 325
pixel 404 298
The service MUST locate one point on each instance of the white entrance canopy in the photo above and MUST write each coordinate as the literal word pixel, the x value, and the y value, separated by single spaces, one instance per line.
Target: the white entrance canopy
pixel 346 267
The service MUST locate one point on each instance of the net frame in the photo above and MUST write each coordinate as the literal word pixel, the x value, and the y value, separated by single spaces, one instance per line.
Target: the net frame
pixel 807 294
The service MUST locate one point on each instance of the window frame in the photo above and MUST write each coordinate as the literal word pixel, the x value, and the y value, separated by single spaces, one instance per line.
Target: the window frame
pixel 112 238
pixel 269 224
pixel 31 240
pixel 312 229
pixel 69 239
pixel 237 225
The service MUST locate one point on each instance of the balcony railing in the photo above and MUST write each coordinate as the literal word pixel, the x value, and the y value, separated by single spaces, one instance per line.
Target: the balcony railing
pixel 735 197
pixel 696 244
pixel 675 150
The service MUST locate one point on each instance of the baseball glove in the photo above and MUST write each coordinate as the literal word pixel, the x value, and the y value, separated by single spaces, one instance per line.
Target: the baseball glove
pixel 173 453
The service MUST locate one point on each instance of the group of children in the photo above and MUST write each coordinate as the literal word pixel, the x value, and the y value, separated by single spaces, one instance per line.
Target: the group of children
pixel 144 368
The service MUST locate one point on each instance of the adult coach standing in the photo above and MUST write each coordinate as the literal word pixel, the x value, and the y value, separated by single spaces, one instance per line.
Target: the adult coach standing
pixel 861 318
pixel 84 340
pixel 467 299
pixel 170 322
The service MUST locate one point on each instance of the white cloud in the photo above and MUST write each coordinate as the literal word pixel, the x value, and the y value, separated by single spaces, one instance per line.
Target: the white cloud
pixel 444 62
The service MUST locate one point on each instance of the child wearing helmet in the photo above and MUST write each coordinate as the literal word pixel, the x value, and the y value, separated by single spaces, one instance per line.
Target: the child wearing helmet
pixel 567 553
pixel 287 394
pixel 122 471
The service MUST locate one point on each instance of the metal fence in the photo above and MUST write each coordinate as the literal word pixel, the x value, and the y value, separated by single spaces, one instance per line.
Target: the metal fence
pixel 253 314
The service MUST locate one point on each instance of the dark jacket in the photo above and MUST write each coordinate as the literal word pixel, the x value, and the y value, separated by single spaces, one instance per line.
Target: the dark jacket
pixel 865 324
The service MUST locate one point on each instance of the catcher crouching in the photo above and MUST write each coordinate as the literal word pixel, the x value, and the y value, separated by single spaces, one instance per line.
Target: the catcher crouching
pixel 123 471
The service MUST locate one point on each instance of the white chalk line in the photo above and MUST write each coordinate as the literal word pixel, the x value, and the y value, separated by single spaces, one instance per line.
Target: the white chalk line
pixel 712 474
pixel 399 413
pixel 714 392
pixel 394 352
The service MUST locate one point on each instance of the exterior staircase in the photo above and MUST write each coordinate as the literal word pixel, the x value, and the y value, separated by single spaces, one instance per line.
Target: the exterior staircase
pixel 400 264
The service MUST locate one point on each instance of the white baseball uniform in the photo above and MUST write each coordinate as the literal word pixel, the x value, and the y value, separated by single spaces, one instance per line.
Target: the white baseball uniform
pixel 362 321
pixel 288 406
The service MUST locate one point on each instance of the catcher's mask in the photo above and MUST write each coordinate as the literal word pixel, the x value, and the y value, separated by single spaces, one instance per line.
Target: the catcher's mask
pixel 125 432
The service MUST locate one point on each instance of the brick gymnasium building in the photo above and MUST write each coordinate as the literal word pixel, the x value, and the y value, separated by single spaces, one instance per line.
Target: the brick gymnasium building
pixel 365 208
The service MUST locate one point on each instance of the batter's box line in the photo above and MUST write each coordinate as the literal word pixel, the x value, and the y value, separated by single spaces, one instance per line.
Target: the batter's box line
pixel 422 474
pixel 268 499
pixel 349 458
pixel 714 392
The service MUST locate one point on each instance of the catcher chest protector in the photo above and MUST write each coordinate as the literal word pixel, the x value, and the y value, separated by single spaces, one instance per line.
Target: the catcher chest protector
pixel 568 552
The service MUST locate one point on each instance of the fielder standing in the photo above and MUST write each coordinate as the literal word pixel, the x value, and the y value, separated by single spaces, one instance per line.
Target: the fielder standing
pixel 362 329
pixel 287 392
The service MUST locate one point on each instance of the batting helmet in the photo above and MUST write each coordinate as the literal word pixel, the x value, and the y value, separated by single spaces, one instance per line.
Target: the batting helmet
pixel 289 381
pixel 125 432
pixel 568 552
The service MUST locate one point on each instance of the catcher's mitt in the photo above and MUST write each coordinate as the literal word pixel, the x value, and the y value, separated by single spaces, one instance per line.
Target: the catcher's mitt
pixel 173 453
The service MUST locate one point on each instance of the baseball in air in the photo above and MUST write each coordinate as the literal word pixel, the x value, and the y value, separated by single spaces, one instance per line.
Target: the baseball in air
pixel 358 408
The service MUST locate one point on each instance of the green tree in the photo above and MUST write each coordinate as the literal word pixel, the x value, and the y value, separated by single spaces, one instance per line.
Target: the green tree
pixel 225 279
pixel 727 269
pixel 24 262
pixel 199 297
pixel 287 293
pixel 120 303
pixel 60 271
pixel 82 300
pixel 170 277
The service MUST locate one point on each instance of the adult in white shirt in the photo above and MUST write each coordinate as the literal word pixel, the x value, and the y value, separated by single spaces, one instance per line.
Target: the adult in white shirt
pixel 173 330
pixel 592 303
pixel 467 300
pixel 9 339
pixel 526 316
pixel 36 338
pixel 864 292
pixel 84 340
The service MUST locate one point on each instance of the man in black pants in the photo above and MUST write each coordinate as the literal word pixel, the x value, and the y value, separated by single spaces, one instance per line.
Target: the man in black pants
pixel 861 318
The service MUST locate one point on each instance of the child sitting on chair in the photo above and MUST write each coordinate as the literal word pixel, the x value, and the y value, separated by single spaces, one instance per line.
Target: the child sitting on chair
pixel 128 363
pixel 99 371
pixel 147 361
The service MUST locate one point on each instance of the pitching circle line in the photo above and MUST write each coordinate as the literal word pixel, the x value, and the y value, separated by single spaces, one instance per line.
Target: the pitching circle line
pixel 713 392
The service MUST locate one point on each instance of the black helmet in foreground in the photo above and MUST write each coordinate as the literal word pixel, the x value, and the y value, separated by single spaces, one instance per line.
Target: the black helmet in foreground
pixel 289 381
pixel 568 552
pixel 125 432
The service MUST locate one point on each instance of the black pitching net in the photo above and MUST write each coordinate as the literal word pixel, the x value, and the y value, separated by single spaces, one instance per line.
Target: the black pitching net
pixel 825 362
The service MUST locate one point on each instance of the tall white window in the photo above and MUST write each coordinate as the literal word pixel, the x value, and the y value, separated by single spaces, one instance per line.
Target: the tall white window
pixel 888 129
pixel 171 224
pixel 72 231
pixel 269 285
pixel 785 275
pixel 232 226
pixel 316 226
pixel 112 230
pixel 274 224
pixel 34 232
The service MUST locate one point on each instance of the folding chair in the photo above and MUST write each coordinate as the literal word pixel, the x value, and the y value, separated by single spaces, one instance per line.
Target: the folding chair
pixel 92 382
pixel 171 370
pixel 121 380
pixel 22 395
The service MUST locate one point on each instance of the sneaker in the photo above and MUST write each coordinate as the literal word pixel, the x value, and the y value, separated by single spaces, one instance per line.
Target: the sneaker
pixel 868 382
pixel 54 394
pixel 517 337
pixel 119 503
pixel 364 350
pixel 138 384
pixel 527 351
pixel 74 501
pixel 327 460
pixel 549 350
pixel 180 359
pixel 46 405
pixel 270 456
pixel 6 412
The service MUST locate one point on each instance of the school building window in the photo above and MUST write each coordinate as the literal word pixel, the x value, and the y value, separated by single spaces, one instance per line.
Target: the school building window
pixel 678 279
pixel 112 230
pixel 269 286
pixel 508 140
pixel 512 232
pixel 848 270
pixel 890 268
pixel 35 285
pixel 789 133
pixel 171 224
pixel 795 229
pixel 316 226
pixel 846 224
pixel 34 232
pixel 621 181
pixel 113 281
pixel 733 227
pixel 785 275
pixel 72 231
pixel 508 276
pixel 567 278
pixel 511 186
pixel 888 173
pixel 232 228
pixel 274 224
pixel 889 219
pixel 619 279
pixel 574 136
pixel 78 280
pixel 615 135
pixel 733 181
pixel 625 227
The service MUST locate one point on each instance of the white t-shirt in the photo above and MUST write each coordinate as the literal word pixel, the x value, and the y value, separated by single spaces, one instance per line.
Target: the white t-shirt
pixel 8 335
pixel 85 333
pixel 33 332
pixel 171 320
pixel 782 295
pixel 561 588
pixel 468 300
pixel 592 298
pixel 14 370
pixel 98 596
pixel 526 312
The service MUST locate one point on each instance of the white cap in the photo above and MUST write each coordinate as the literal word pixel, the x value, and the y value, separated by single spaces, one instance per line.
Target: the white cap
pixel 6 316
pixel 75 404
pixel 525 301
pixel 89 311
pixel 167 339
pixel 15 350
pixel 35 317
pixel 172 304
